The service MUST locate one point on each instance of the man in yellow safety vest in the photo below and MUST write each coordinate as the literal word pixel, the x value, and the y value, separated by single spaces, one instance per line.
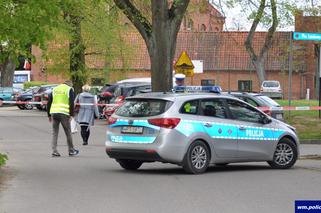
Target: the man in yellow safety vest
pixel 60 109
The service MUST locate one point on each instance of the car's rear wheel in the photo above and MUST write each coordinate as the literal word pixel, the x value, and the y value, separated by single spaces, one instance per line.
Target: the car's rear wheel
pixel 129 164
pixel 197 158
pixel 285 155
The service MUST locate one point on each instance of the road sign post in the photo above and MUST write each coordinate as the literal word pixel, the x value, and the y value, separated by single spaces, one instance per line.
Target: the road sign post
pixel 290 71
pixel 305 36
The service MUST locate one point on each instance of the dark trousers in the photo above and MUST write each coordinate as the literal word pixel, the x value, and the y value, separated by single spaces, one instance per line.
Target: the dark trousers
pixel 58 118
pixel 85 132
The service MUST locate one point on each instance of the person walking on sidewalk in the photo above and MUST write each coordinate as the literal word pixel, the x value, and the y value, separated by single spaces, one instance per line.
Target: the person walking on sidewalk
pixel 60 109
pixel 88 111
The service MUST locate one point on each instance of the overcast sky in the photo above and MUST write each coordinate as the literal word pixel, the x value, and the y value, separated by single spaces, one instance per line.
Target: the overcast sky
pixel 236 17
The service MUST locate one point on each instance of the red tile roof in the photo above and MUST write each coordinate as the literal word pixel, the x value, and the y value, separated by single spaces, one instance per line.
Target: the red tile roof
pixel 218 50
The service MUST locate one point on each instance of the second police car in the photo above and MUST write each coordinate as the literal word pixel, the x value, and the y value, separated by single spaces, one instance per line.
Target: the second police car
pixel 196 131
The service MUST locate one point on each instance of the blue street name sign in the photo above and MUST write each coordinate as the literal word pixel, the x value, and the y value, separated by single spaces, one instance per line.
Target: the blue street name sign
pixel 307 36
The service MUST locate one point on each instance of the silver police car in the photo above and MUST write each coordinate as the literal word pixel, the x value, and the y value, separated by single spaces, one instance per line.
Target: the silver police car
pixel 196 131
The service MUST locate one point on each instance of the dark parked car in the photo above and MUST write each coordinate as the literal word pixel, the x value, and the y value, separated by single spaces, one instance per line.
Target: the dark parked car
pixel 259 100
pixel 42 96
pixel 26 96
pixel 122 91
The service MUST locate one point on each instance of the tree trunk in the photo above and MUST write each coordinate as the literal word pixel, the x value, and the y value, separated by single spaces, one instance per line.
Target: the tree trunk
pixel 160 36
pixel 7 71
pixel 77 55
pixel 162 55
pixel 260 70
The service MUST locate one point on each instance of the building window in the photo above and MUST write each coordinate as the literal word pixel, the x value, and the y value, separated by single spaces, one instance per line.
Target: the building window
pixel 203 28
pixel 207 82
pixel 245 86
pixel 190 25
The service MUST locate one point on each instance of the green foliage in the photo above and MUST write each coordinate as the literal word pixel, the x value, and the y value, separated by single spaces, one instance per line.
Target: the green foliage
pixel 29 84
pixel 103 36
pixel 23 23
pixel 3 159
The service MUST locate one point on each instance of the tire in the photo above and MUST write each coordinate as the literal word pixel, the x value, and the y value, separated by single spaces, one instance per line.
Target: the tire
pixel 28 106
pixel 201 155
pixel 21 106
pixel 129 164
pixel 285 155
pixel 39 107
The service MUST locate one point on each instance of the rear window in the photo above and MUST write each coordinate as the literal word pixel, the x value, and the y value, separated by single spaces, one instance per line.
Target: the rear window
pixel 267 101
pixel 271 84
pixel 143 107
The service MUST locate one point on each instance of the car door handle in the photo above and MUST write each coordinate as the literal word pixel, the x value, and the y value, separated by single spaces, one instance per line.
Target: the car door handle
pixel 208 125
pixel 242 128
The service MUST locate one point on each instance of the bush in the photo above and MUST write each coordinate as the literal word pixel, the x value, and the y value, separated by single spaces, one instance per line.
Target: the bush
pixel 3 159
pixel 28 84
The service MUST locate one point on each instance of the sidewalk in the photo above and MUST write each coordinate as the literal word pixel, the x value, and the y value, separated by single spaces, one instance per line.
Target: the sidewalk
pixel 313 141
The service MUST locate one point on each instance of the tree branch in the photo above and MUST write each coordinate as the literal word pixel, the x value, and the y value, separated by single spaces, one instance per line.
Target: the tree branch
pixel 176 13
pixel 256 21
pixel 136 17
pixel 269 37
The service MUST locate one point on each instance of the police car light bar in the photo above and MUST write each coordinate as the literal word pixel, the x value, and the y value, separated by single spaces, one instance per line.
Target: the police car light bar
pixel 215 89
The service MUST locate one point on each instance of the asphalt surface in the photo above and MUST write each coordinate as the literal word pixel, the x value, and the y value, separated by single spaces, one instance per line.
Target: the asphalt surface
pixel 91 182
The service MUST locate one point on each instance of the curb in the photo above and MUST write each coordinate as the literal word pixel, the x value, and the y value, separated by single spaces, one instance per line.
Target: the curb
pixel 310 142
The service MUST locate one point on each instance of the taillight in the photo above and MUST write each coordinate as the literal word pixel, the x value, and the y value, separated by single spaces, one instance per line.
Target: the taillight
pixel 169 123
pixel 111 120
pixel 268 112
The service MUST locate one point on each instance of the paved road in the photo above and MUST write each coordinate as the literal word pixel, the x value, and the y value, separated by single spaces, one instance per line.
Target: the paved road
pixel 92 182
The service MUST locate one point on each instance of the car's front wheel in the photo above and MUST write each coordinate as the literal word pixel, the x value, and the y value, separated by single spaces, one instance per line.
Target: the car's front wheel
pixel 197 158
pixel 21 106
pixel 285 155
pixel 129 164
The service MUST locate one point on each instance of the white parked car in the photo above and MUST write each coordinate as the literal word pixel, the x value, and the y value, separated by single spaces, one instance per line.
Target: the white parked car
pixel 272 89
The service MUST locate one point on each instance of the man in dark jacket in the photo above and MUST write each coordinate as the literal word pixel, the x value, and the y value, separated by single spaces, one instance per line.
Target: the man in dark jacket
pixel 60 109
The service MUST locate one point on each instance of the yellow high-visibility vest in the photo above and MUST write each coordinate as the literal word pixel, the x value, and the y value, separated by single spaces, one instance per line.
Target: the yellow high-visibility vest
pixel 60 99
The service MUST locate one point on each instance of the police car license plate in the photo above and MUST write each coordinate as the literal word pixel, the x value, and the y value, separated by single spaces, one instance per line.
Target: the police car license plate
pixel 132 129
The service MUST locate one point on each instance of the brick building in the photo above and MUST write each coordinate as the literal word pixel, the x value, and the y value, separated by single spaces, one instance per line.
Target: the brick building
pixel 226 62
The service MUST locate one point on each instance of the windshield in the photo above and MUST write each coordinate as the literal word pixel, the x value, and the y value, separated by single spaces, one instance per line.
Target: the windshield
pixel 267 101
pixel 143 107
pixel 271 84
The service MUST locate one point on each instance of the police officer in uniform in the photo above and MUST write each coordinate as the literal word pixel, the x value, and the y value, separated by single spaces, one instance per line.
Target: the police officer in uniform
pixel 180 79
pixel 60 109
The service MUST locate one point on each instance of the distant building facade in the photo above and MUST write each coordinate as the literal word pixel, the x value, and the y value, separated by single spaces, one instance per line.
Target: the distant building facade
pixel 225 60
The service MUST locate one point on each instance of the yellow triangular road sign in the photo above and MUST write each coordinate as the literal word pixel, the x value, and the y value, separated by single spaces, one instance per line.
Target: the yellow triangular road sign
pixel 184 62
